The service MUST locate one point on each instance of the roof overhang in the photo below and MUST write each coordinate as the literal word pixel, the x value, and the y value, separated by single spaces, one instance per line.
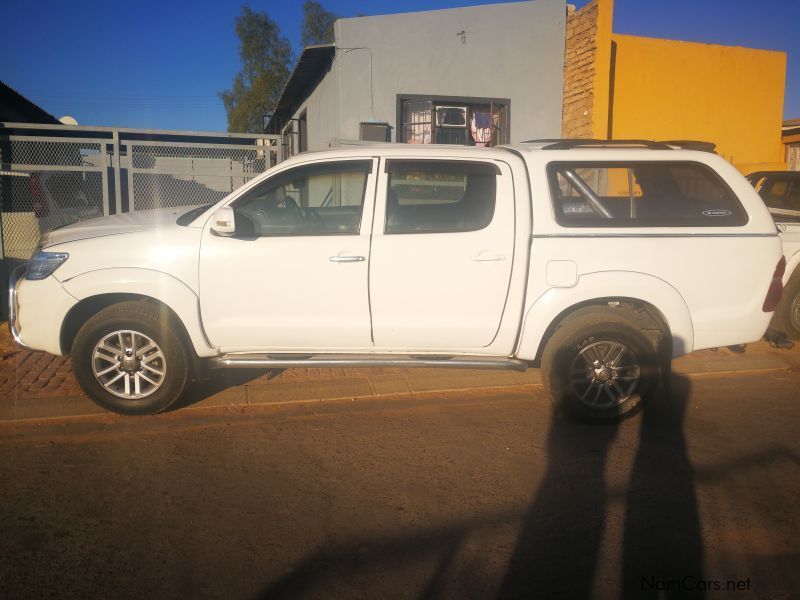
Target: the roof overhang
pixel 790 132
pixel 312 65
pixel 17 108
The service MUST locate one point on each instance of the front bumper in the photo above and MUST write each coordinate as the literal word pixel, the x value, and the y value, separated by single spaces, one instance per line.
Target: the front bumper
pixel 37 310
pixel 13 307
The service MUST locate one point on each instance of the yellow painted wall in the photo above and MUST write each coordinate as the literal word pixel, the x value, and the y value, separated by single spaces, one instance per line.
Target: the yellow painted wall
pixel 603 60
pixel 732 96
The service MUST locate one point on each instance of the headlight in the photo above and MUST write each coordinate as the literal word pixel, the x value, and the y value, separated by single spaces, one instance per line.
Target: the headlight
pixel 44 263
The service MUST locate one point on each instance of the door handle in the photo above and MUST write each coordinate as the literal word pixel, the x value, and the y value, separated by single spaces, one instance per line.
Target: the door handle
pixel 346 259
pixel 488 257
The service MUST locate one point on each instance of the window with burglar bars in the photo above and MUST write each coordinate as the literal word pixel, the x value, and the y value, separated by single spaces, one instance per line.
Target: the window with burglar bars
pixel 463 121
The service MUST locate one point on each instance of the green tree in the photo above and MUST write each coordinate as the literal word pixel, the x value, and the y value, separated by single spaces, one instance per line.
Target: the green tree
pixel 266 59
pixel 317 24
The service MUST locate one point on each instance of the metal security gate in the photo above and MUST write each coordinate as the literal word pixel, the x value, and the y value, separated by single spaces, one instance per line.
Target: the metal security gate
pixel 54 175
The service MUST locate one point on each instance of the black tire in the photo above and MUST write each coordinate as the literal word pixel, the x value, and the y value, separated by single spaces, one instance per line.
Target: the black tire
pixel 787 313
pixel 599 365
pixel 133 323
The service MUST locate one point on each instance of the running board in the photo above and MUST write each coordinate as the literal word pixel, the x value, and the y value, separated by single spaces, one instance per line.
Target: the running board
pixel 288 361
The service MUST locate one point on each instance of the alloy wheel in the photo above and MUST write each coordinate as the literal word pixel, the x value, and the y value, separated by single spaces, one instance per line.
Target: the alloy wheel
pixel 129 364
pixel 604 374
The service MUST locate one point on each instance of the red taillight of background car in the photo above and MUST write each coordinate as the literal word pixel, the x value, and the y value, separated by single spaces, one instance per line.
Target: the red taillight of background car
pixel 40 208
pixel 775 287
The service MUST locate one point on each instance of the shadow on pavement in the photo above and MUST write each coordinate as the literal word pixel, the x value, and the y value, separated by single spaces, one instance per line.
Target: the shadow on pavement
pixel 663 538
pixel 557 552
pixel 214 381
pixel 558 549
pixel 559 541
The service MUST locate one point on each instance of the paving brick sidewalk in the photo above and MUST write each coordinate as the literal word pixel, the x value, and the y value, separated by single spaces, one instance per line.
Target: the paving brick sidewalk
pixel 39 385
pixel 33 374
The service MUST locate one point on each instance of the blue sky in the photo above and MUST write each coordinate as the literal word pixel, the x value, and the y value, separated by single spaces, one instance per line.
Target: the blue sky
pixel 160 64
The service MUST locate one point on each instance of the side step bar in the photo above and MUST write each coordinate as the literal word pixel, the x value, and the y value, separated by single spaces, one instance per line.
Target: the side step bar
pixel 287 361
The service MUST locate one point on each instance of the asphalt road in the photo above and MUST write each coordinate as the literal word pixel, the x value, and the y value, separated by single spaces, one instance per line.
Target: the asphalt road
pixel 478 494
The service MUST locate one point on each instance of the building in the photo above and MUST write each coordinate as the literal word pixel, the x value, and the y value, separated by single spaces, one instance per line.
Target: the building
pixel 16 108
pixel 484 74
pixel 525 70
pixel 625 87
pixel 791 141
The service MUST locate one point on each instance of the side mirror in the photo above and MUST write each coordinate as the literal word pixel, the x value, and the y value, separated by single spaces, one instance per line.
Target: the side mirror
pixel 223 222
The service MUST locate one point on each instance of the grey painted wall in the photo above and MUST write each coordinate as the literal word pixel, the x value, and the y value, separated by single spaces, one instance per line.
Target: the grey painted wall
pixel 322 112
pixel 513 51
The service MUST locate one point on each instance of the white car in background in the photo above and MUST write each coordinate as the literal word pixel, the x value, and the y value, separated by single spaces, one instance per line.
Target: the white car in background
pixel 61 198
pixel 780 191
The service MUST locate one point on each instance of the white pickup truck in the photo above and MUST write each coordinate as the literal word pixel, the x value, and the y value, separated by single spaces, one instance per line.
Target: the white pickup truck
pixel 595 263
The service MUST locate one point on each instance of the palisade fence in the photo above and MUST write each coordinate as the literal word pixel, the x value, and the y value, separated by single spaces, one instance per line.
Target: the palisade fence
pixel 54 175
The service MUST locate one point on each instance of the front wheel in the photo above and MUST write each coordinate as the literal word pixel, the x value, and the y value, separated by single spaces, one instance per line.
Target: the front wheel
pixel 130 359
pixel 599 366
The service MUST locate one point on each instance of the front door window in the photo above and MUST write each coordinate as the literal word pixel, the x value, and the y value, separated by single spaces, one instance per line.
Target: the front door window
pixel 314 200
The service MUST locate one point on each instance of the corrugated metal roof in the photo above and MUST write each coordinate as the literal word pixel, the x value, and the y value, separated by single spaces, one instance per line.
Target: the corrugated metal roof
pixel 790 132
pixel 16 108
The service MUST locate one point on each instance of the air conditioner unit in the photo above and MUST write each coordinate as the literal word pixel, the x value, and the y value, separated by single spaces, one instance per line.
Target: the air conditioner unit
pixel 375 132
pixel 451 116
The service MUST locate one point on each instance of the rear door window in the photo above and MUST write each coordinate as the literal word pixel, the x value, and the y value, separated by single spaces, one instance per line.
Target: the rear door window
pixel 439 196
pixel 642 194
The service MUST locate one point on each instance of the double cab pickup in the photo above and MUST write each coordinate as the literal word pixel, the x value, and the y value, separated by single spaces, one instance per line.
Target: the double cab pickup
pixel 597 263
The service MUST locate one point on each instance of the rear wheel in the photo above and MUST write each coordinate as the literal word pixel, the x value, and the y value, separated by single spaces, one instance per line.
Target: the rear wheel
pixel 599 365
pixel 130 359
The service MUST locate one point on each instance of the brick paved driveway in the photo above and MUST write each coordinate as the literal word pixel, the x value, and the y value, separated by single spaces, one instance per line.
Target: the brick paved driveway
pixel 36 384
pixel 26 374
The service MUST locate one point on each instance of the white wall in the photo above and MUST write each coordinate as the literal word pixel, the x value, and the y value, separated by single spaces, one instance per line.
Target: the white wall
pixel 513 50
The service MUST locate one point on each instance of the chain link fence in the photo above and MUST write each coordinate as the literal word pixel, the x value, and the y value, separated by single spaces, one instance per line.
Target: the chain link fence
pixel 180 174
pixel 52 175
pixel 45 185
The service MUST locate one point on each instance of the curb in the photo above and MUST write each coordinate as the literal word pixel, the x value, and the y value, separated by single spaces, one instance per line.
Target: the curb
pixel 375 383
